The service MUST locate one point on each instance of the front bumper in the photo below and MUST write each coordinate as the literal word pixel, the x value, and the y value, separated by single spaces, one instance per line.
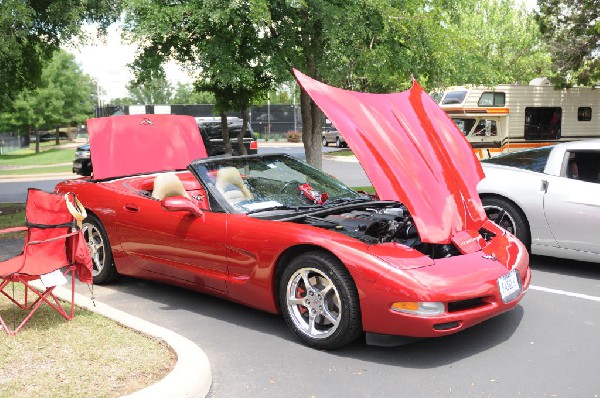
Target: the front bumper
pixel 467 285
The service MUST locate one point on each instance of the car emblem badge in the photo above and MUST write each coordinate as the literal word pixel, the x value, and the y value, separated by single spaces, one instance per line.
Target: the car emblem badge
pixel 490 257
pixel 146 122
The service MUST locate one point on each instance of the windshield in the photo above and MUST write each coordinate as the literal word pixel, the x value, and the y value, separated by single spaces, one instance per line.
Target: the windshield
pixel 255 184
pixel 533 160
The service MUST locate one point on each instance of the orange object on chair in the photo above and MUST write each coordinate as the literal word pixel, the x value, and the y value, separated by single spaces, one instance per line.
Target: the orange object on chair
pixel 53 241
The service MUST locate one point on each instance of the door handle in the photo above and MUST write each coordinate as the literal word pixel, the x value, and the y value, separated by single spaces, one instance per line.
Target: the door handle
pixel 131 207
pixel 544 186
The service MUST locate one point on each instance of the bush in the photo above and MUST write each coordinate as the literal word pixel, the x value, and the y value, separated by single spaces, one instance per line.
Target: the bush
pixel 293 136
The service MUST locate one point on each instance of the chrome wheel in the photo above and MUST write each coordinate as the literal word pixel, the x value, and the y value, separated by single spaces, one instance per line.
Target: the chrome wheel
pixel 96 246
pixel 103 268
pixel 313 303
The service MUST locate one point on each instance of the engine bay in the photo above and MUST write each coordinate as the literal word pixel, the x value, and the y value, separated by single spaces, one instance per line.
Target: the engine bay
pixel 376 223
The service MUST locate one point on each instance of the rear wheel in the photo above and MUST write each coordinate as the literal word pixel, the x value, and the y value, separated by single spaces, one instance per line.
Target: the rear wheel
pixel 338 142
pixel 509 217
pixel 325 143
pixel 104 270
pixel 319 301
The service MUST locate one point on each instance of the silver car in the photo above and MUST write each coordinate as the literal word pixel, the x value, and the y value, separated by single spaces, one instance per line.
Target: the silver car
pixel 331 135
pixel 548 197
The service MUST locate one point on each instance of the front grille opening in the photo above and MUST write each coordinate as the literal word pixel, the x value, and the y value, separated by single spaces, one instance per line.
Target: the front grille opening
pixel 463 305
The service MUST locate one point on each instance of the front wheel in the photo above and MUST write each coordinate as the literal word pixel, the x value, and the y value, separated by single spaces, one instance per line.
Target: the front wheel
pixel 324 142
pixel 104 270
pixel 509 217
pixel 319 301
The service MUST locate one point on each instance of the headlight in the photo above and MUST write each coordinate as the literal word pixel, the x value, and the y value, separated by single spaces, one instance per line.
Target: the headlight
pixel 419 308
pixel 82 155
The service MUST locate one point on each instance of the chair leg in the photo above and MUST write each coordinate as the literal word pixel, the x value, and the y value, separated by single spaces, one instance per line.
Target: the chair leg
pixel 47 296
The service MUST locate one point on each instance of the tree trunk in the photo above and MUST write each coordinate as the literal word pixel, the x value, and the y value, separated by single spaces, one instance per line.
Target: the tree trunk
pixel 225 134
pixel 37 141
pixel 57 135
pixel 312 119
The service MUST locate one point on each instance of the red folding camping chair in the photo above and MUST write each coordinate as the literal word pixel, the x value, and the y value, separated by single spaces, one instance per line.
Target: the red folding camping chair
pixel 53 241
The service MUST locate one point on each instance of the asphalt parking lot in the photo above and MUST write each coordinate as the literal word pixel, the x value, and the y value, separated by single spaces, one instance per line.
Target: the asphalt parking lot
pixel 546 347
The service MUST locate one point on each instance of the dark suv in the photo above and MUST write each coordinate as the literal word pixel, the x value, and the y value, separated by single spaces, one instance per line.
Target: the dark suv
pixel 210 129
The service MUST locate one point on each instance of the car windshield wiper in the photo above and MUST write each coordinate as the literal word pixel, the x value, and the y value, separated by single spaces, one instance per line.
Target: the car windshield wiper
pixel 282 207
pixel 346 201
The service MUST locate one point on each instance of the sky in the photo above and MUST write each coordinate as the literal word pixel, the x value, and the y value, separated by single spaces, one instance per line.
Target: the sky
pixel 106 61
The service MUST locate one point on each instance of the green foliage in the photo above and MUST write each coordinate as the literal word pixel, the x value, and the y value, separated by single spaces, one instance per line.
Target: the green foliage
pixel 242 49
pixel 151 88
pixel 185 94
pixel 32 30
pixel 572 30
pixel 65 96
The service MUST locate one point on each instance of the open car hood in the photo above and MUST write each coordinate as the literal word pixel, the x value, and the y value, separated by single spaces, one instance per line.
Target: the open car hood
pixel 135 144
pixel 412 152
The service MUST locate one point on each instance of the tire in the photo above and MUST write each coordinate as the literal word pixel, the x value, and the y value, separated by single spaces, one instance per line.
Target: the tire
pixel 317 283
pixel 338 142
pixel 104 270
pixel 324 142
pixel 508 216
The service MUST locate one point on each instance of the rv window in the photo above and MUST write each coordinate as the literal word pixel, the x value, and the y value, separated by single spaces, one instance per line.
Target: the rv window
pixel 489 98
pixel 542 123
pixel 464 125
pixel 454 97
pixel 584 113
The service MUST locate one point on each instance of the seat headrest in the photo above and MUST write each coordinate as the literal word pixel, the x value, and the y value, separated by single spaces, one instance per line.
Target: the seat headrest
pixel 167 185
pixel 229 177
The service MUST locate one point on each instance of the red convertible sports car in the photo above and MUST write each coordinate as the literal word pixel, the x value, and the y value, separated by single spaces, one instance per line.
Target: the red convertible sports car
pixel 420 259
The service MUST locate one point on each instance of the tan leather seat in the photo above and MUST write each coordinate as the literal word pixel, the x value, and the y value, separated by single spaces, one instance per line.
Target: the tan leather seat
pixel 167 185
pixel 229 183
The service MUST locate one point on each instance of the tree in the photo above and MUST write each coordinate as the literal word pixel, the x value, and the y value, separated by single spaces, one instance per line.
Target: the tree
pixel 222 39
pixel 185 94
pixel 76 90
pixel 65 96
pixel 30 32
pixel 151 88
pixel 572 31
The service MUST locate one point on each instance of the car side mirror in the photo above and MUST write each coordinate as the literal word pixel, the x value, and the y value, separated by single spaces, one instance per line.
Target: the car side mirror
pixel 180 203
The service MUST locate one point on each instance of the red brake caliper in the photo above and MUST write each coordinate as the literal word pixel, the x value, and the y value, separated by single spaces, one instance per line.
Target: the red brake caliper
pixel 300 292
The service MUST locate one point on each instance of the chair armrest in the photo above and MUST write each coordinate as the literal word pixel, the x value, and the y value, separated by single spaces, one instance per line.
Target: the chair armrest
pixel 37 242
pixel 13 229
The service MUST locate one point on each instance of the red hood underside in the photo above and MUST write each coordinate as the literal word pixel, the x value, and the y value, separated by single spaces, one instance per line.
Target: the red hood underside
pixel 412 152
pixel 135 144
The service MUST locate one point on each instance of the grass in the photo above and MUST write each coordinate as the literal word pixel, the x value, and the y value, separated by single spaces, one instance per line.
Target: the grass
pixel 88 356
pixel 368 189
pixel 28 157
pixel 342 152
pixel 37 170
pixel 12 215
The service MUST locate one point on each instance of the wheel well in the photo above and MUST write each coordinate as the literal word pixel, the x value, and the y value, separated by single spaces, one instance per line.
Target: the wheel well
pixel 286 257
pixel 504 198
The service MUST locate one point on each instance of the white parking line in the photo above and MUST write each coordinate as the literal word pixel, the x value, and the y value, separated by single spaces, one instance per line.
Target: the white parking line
pixel 564 293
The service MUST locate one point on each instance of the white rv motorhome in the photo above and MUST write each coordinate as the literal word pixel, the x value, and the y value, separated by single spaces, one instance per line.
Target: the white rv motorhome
pixel 512 117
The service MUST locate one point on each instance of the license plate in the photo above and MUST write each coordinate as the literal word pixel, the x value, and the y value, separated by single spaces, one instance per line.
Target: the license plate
pixel 510 286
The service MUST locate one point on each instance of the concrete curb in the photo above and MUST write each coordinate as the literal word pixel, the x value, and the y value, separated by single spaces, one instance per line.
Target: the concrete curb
pixel 191 376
